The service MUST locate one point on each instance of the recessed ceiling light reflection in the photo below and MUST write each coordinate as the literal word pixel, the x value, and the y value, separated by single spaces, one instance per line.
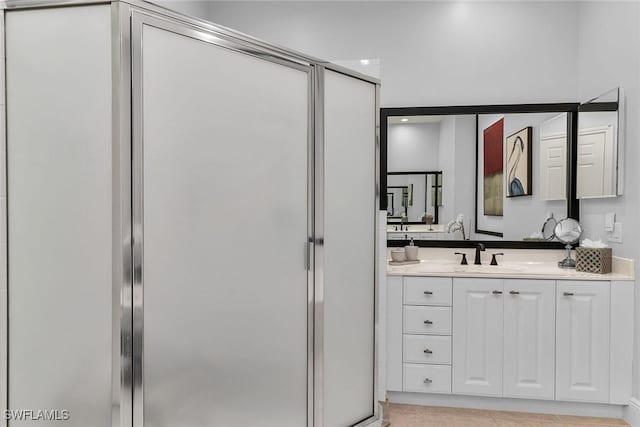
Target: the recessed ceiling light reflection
pixel 404 120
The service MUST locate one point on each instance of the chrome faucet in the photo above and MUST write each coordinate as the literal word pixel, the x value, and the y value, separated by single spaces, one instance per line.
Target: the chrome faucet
pixel 479 248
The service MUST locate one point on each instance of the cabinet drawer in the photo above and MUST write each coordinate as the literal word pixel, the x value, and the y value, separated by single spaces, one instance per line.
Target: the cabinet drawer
pixel 427 320
pixel 427 290
pixel 426 349
pixel 426 378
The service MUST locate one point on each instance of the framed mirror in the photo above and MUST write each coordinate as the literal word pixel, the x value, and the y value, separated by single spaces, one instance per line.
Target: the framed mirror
pixel 414 197
pixel 599 169
pixel 499 173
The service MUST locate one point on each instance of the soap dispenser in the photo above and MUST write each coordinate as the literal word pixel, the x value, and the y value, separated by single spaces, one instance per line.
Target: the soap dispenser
pixel 411 251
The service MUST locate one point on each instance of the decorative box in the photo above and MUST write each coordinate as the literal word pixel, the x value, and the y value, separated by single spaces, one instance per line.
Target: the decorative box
pixel 593 260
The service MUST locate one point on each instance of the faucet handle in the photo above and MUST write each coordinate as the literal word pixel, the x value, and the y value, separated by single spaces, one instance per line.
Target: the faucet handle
pixel 493 258
pixel 464 258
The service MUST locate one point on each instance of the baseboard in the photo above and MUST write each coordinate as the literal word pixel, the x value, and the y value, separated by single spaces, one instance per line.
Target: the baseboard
pixel 632 412
pixel 506 404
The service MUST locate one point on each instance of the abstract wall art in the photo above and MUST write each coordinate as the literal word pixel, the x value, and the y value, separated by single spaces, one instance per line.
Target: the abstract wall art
pixel 493 137
pixel 519 163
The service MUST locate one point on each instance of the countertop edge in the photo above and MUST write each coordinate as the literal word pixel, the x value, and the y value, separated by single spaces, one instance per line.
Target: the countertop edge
pixel 610 277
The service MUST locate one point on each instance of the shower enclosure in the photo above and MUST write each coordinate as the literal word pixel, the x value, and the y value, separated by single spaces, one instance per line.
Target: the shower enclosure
pixel 191 221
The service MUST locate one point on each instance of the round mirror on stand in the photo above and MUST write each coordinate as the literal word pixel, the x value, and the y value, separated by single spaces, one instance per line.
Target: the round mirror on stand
pixel 568 231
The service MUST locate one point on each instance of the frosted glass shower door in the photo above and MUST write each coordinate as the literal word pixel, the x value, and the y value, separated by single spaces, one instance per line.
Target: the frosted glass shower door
pixel 349 248
pixel 60 215
pixel 221 183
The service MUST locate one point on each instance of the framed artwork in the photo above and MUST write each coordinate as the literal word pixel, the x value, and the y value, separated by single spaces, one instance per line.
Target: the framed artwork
pixel 519 163
pixel 493 143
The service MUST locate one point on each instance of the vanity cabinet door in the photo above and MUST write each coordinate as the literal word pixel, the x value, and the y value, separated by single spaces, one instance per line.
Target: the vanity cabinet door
pixel 529 339
pixel 477 336
pixel 582 341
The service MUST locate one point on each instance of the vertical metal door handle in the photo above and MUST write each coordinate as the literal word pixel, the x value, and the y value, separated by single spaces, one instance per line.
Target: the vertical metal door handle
pixel 427 351
pixel 428 380
pixel 428 322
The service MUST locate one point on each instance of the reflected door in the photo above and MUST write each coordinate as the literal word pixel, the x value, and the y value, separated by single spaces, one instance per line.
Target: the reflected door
pixel 220 173
pixel 595 165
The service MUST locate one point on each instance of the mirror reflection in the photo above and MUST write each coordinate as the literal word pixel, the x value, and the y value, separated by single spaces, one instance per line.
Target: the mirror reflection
pixel 414 197
pixel 521 173
pixel 598 146
pixel 476 176
pixel 429 154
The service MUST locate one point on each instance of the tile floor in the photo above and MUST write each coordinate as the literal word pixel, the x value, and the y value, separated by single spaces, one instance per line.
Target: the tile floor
pixel 434 416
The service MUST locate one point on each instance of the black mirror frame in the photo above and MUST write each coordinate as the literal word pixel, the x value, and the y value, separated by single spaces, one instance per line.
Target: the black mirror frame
pixel 573 204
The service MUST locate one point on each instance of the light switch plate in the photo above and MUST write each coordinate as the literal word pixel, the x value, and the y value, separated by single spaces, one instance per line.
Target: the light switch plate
pixel 609 221
pixel 616 234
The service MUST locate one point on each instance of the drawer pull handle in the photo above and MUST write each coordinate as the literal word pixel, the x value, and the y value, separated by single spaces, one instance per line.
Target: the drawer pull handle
pixel 428 322
pixel 427 351
pixel 428 380
pixel 428 293
pixel 568 294
pixel 514 292
pixel 497 292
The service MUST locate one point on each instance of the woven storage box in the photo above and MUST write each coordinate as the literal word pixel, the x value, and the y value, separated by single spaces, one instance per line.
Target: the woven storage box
pixel 593 260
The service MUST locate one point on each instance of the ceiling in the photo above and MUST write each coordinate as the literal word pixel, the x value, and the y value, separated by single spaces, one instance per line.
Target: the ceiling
pixel 414 119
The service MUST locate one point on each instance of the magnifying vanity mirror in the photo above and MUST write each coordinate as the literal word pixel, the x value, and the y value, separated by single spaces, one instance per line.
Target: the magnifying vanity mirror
pixel 599 171
pixel 568 231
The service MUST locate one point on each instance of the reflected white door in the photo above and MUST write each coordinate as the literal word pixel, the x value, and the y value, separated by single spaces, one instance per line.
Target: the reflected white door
pixel 529 339
pixel 477 336
pixel 553 167
pixel 582 341
pixel 595 174
pixel 224 180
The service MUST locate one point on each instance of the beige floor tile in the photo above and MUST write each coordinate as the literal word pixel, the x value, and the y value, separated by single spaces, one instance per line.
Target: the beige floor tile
pixel 570 419
pixel 514 423
pixel 439 416
pixel 524 416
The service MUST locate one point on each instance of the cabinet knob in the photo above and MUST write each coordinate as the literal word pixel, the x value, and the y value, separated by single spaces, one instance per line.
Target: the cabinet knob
pixel 428 293
pixel 427 351
pixel 568 294
pixel 428 380
pixel 514 292
pixel 428 322
pixel 497 292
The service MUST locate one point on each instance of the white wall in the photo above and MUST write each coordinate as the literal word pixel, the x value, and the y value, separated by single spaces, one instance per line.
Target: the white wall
pixel 413 147
pixel 196 8
pixel 447 163
pixel 465 193
pixel 609 56
pixel 431 53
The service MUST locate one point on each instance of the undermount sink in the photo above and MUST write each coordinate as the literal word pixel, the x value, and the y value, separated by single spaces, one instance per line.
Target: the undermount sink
pixel 485 269
pixel 435 268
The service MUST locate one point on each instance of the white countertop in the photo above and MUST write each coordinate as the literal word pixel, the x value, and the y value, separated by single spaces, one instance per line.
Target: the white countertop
pixel 506 270
pixel 416 228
